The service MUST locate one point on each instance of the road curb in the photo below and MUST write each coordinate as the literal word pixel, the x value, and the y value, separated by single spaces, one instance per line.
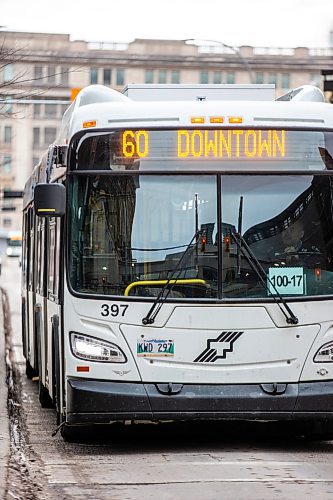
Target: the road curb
pixel 4 420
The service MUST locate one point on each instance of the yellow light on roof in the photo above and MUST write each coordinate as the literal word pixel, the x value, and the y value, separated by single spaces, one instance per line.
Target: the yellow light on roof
pixel 216 119
pixel 235 119
pixel 89 124
pixel 197 119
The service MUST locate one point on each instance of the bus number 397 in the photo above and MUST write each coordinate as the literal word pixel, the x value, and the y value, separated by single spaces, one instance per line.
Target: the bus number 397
pixel 113 310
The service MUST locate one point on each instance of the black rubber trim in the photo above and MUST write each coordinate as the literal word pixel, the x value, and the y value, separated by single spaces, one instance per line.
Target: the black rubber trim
pixel 92 401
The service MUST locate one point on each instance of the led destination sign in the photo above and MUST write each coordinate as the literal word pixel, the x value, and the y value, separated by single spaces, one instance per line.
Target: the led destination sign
pixel 220 144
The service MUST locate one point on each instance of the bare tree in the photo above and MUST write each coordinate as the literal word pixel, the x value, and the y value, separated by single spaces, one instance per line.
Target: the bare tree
pixel 21 85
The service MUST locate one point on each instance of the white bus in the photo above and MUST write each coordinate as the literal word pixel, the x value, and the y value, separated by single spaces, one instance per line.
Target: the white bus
pixel 178 258
pixel 14 244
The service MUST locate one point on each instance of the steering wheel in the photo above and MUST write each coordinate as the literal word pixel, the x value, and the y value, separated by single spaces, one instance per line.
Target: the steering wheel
pixel 307 258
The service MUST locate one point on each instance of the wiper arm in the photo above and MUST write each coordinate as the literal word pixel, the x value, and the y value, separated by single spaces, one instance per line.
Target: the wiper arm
pixel 246 251
pixel 149 319
pixel 239 249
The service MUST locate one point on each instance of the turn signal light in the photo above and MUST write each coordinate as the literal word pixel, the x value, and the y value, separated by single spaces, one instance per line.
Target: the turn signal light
pixel 89 124
pixel 324 354
pixel 82 368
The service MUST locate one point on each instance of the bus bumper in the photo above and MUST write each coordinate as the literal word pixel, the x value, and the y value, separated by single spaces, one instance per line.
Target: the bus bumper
pixel 91 401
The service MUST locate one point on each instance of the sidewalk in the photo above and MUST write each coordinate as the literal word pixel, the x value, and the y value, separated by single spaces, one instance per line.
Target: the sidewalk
pixel 4 423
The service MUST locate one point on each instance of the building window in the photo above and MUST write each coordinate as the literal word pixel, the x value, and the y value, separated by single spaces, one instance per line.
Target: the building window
pixel 285 81
pixel 64 76
pixel 120 77
pixel 49 135
pixel 36 136
pixel 203 77
pixel 7 222
pixel 149 76
pixel 51 110
pixel 6 107
pixel 51 77
pixel 38 72
pixel 175 76
pixel 162 76
pixel 314 79
pixel 8 72
pixel 7 134
pixel 217 77
pixel 231 77
pixel 37 110
pixel 272 78
pixel 7 164
pixel 106 76
pixel 260 78
pixel 93 76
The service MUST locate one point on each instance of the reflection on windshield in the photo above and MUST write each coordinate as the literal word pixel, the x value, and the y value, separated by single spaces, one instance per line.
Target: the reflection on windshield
pixel 130 233
pixel 287 223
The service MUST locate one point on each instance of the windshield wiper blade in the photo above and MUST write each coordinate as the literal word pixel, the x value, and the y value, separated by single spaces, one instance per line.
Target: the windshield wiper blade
pixel 240 220
pixel 149 319
pixel 246 251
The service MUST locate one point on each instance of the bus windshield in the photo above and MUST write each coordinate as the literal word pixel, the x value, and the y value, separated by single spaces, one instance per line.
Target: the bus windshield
pixel 128 233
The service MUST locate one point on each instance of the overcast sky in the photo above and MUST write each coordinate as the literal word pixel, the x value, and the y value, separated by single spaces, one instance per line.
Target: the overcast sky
pixel 264 23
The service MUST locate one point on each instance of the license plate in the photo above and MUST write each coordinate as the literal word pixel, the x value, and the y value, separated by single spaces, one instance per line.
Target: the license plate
pixel 155 347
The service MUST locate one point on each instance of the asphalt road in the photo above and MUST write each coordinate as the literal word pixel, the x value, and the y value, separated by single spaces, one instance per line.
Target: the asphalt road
pixel 171 461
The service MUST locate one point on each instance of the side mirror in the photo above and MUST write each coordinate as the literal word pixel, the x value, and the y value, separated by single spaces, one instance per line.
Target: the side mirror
pixel 50 200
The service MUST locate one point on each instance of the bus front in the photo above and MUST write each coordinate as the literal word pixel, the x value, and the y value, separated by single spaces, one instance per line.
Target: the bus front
pixel 199 273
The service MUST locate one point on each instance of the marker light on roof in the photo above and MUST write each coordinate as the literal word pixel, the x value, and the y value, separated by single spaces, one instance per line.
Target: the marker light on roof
pixel 216 119
pixel 235 119
pixel 197 119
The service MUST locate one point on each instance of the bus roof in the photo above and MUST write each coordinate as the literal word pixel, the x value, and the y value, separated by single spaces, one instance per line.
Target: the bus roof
pixel 98 107
pixel 180 114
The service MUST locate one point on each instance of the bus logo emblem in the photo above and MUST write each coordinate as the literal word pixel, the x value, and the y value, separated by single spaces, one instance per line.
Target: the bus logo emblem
pixel 218 348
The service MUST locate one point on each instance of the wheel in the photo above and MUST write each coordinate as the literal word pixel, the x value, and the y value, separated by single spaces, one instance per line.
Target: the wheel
pixel 29 371
pixel 70 433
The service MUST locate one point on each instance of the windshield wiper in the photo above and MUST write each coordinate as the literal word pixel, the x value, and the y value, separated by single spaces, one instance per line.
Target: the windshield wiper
pixel 149 319
pixel 239 251
pixel 246 251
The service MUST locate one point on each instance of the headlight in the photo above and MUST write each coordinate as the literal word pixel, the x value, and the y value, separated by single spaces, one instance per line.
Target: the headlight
pixel 91 349
pixel 324 354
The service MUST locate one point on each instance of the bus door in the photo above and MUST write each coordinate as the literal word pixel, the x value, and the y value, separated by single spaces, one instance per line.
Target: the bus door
pixel 25 278
pixel 30 295
pixel 52 310
pixel 40 299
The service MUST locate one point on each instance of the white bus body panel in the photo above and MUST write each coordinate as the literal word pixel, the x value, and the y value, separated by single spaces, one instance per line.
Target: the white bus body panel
pixel 268 350
pixel 307 115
